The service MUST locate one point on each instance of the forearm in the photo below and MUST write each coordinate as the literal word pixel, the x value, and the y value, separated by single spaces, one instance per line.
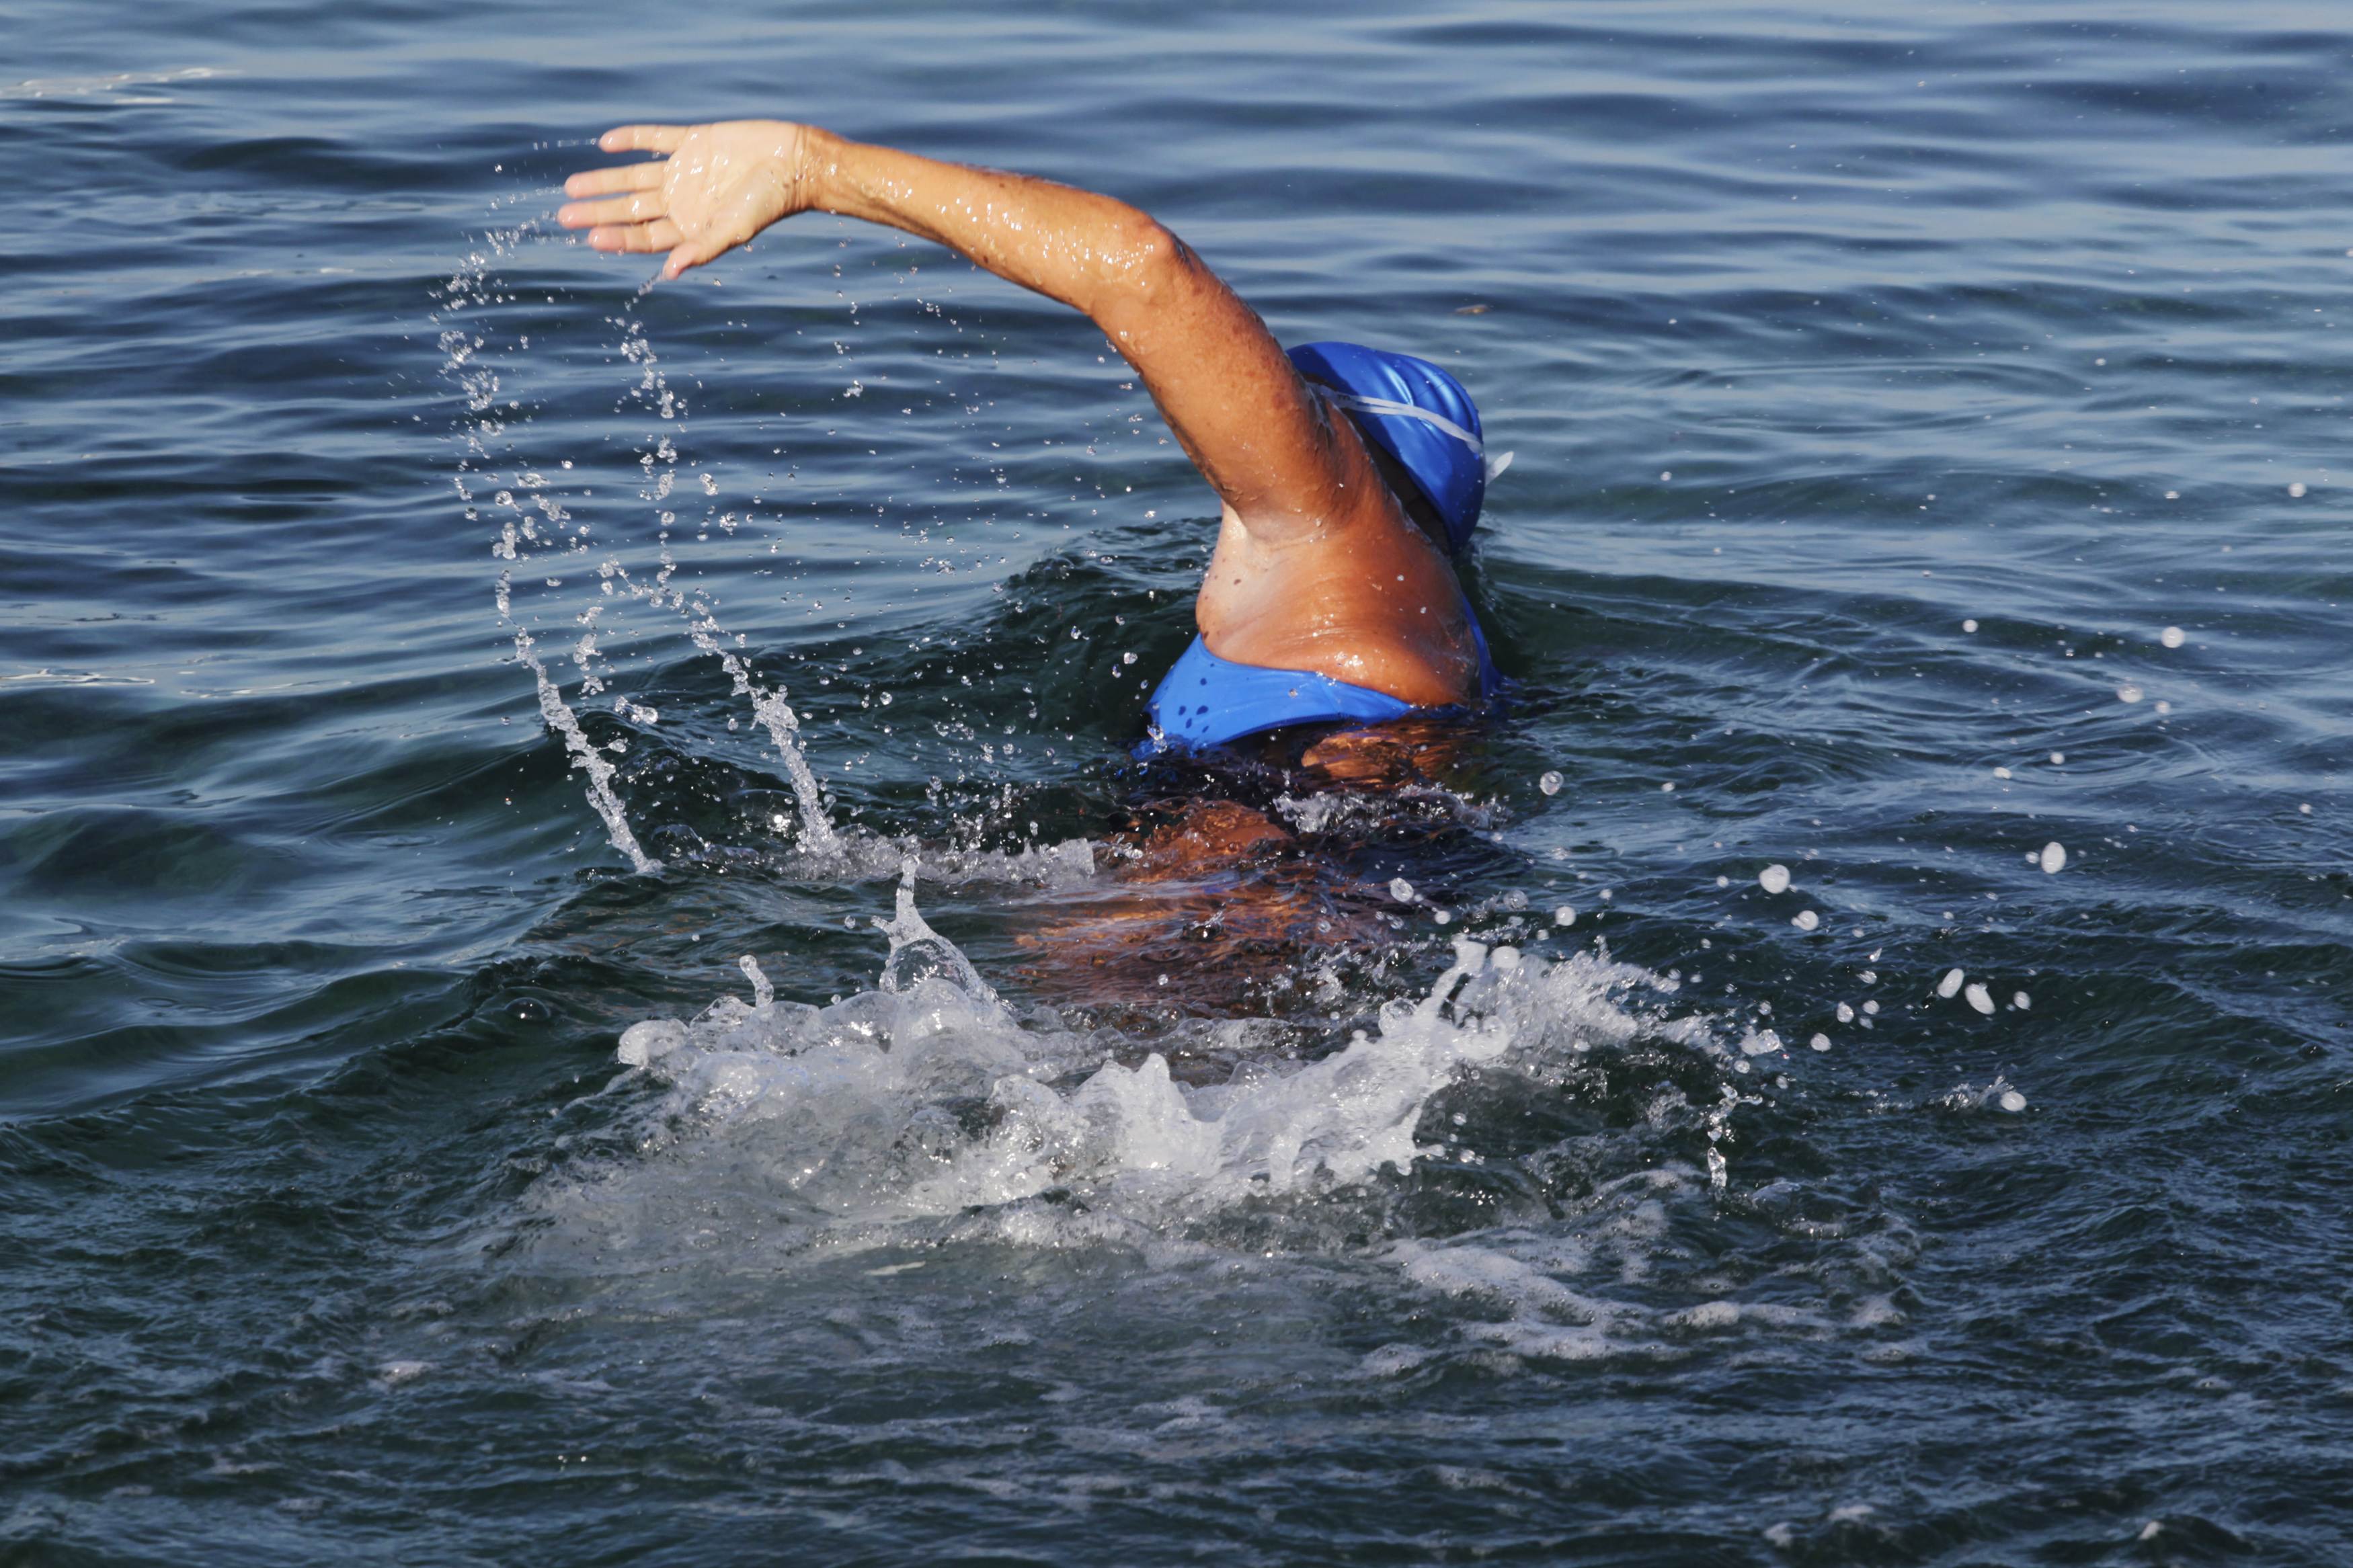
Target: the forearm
pixel 1216 372
pixel 1091 252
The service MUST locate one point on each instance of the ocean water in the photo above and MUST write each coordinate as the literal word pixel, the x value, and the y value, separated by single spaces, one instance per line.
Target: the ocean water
pixel 1854 1067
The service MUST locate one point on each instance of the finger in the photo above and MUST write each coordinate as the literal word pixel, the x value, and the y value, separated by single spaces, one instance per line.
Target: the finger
pixel 606 182
pixel 694 252
pixel 642 139
pixel 659 234
pixel 641 207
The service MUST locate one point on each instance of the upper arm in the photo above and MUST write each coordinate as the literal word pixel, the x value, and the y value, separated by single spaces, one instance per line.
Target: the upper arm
pixel 1272 450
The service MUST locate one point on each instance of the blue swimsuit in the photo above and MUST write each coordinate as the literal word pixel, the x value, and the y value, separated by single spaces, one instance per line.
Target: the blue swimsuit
pixel 1205 700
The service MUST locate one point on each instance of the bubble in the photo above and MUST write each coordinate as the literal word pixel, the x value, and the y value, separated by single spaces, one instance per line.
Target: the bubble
pixel 2128 693
pixel 1401 891
pixel 2053 858
pixel 1563 916
pixel 1806 919
pixel 1774 879
pixel 1549 783
pixel 1969 626
pixel 1977 997
pixel 2172 637
pixel 1819 1042
pixel 1951 984
pixel 2012 1101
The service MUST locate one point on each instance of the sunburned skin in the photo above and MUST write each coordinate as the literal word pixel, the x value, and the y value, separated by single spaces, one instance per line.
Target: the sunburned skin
pixel 1318 565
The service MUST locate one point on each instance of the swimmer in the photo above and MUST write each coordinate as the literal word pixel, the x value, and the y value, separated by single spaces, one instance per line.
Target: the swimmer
pixel 1349 478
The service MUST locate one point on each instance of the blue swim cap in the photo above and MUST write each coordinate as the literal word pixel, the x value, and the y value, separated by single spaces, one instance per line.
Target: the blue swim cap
pixel 1417 413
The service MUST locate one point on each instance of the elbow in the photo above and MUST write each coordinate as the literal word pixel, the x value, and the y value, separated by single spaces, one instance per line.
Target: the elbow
pixel 1141 264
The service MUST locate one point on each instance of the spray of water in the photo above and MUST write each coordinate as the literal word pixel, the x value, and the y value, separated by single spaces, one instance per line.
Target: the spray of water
pixel 532 520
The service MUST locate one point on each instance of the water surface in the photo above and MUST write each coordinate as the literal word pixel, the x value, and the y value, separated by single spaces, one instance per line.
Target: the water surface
pixel 1884 383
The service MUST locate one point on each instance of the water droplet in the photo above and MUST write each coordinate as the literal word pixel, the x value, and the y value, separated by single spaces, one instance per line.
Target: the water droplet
pixel 1969 626
pixel 2128 693
pixel 1774 879
pixel 1950 984
pixel 2172 637
pixel 1563 916
pixel 1819 1042
pixel 1977 997
pixel 1401 891
pixel 1806 919
pixel 1666 474
pixel 2020 1000
pixel 2296 490
pixel 2053 858
pixel 2058 759
pixel 2012 1101
pixel 1549 783
pixel 2002 772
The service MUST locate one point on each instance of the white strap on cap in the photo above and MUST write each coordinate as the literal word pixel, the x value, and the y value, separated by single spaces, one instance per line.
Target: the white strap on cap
pixel 1391 408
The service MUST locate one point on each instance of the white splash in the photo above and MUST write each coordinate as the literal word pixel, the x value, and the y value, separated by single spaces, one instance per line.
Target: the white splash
pixel 842 1104
pixel 585 757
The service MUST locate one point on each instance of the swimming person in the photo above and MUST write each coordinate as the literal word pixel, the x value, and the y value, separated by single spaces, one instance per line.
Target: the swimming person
pixel 1350 479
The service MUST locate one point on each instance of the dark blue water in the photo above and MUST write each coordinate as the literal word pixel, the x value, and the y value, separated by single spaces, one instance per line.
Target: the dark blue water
pixel 1883 381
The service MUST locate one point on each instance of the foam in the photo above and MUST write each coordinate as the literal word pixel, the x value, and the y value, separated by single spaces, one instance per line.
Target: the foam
pixel 933 1110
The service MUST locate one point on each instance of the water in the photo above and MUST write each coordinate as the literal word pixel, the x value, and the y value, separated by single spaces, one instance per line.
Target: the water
pixel 1928 425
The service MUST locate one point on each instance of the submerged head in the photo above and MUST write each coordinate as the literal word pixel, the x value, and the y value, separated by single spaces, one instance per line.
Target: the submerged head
pixel 1421 427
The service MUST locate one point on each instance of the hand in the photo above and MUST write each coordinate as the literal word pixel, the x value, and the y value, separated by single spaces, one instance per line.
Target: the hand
pixel 720 185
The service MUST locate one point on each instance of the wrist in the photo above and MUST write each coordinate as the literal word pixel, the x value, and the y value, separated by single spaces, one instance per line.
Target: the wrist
pixel 815 168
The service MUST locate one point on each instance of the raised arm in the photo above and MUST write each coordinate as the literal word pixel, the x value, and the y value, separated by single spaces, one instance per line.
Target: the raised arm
pixel 1287 466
